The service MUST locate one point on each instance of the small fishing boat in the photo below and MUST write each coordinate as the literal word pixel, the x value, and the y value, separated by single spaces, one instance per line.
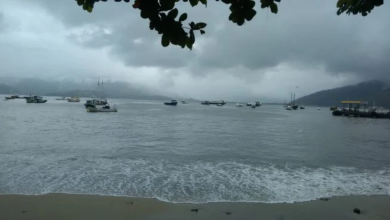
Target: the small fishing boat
pixel 105 108
pixel 333 108
pixel 258 103
pixel 318 108
pixel 239 105
pixel 35 99
pixel 172 102
pixel 12 97
pixel 95 102
pixel 74 99
pixel 288 107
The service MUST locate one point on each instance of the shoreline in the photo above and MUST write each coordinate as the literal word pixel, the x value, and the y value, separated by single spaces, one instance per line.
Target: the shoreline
pixel 82 206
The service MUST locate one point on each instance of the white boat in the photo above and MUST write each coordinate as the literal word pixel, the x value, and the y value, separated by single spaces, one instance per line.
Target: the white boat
pixel 105 108
pixel 74 99
pixel 35 99
pixel 239 105
pixel 288 107
pixel 318 108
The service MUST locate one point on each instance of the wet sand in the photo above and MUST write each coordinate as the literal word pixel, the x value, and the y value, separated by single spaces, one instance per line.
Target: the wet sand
pixel 87 207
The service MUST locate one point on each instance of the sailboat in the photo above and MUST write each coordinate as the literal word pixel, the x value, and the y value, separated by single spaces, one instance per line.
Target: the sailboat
pixel 91 105
pixel 301 107
pixel 294 106
pixel 184 102
pixel 97 101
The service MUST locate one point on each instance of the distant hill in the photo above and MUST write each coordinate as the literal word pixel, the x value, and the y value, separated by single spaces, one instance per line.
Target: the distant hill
pixel 91 93
pixel 372 91
pixel 81 89
pixel 6 89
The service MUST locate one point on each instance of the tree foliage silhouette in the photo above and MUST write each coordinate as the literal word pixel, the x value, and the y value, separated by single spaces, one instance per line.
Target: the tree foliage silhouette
pixel 164 17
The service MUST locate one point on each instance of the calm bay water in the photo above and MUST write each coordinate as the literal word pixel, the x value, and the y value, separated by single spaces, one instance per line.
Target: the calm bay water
pixel 191 153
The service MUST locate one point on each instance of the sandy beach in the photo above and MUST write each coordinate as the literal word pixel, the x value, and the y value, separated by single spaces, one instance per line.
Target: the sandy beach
pixel 66 206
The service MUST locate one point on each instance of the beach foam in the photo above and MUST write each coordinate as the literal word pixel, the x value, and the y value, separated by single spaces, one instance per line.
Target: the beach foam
pixel 190 183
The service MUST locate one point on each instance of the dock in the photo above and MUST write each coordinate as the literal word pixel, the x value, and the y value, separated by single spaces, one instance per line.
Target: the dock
pixel 359 109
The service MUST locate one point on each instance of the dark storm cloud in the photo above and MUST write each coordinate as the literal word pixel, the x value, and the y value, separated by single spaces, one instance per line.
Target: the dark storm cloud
pixel 308 33
pixel 313 37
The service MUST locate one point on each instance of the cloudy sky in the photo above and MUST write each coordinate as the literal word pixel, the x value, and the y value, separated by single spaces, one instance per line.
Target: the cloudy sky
pixel 306 45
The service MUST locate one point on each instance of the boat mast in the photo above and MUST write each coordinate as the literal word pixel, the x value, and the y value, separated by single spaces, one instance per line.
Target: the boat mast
pixel 102 96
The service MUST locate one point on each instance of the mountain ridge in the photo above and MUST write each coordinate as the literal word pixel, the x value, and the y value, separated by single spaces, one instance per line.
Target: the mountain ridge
pixel 370 91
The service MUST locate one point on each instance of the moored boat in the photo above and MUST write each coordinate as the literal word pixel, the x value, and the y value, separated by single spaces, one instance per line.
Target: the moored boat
pixel 74 99
pixel 35 99
pixel 172 102
pixel 218 103
pixel 333 108
pixel 94 102
pixel 105 108
pixel 12 97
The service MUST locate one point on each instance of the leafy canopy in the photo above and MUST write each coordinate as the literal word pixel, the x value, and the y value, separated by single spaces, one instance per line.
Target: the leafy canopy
pixel 164 17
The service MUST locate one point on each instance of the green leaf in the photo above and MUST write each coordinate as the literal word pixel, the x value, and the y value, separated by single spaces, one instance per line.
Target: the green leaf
pixel 192 37
pixel 274 8
pixel 189 44
pixel 80 2
pixel 144 14
pixel 202 32
pixel 173 13
pixel 341 3
pixel 200 25
pixel 183 17
pixel 240 20
pixel 167 5
pixel 165 40
pixel 204 2
pixel 250 14
pixel 182 41
pixel 194 2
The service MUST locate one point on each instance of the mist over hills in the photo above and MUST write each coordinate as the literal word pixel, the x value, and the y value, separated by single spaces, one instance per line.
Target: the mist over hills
pixel 81 89
pixel 371 91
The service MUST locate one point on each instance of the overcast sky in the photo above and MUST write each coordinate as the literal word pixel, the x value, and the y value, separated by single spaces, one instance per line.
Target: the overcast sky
pixel 306 45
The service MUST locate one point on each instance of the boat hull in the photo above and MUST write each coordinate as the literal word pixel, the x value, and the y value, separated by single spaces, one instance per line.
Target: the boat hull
pixel 101 110
pixel 168 103
pixel 36 101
